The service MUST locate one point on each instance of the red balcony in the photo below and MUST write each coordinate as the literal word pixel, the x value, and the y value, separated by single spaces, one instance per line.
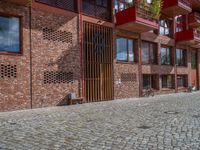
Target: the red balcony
pixel 19 2
pixel 174 8
pixel 194 20
pixel 136 19
pixel 189 37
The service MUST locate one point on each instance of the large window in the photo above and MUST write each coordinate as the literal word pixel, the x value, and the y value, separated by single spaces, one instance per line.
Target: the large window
pixel 182 80
pixel 63 4
pixel 150 81
pixel 98 8
pixel 125 49
pixel 149 53
pixel 165 27
pixel 167 81
pixel 10 34
pixel 181 56
pixel 166 55
pixel 194 60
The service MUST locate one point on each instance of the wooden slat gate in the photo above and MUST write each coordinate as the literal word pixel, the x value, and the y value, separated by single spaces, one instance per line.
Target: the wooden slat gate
pixel 98 58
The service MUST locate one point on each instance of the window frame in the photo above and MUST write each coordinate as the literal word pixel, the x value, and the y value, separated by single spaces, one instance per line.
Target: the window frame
pixel 183 59
pixel 150 56
pixel 194 63
pixel 127 50
pixel 167 55
pixel 185 81
pixel 20 53
pixel 169 27
pixel 167 86
pixel 152 78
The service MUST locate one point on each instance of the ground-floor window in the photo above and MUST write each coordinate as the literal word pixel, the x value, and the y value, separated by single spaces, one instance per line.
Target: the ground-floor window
pixel 181 56
pixel 182 80
pixel 150 81
pixel 167 81
pixel 194 59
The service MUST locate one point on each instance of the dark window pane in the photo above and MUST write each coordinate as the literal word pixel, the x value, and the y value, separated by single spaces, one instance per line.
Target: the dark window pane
pixel 194 60
pixel 167 81
pixel 146 81
pixel 145 52
pixel 9 34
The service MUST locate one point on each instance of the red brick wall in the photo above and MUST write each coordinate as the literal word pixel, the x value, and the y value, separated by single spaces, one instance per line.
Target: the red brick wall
pixel 15 92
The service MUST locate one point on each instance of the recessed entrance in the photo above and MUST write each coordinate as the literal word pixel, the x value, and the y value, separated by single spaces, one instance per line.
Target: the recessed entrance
pixel 98 57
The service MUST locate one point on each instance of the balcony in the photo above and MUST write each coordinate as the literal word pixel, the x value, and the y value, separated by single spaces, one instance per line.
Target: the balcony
pixel 174 8
pixel 19 2
pixel 136 19
pixel 194 20
pixel 195 5
pixel 189 37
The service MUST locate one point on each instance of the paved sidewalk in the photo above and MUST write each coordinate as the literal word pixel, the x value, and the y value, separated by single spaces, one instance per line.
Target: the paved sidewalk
pixel 170 122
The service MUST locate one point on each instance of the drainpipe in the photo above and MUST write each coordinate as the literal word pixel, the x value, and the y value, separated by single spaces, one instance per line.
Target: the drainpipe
pixel 140 66
pixel 30 42
pixel 81 48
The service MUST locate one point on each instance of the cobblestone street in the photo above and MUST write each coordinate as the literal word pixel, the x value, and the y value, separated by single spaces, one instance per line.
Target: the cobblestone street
pixel 170 122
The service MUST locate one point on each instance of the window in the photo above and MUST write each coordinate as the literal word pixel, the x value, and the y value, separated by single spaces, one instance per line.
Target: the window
pixel 182 80
pixel 63 4
pixel 165 54
pixel 150 81
pixel 149 53
pixel 164 27
pixel 125 49
pixel 98 8
pixel 194 60
pixel 10 34
pixel 181 57
pixel 122 4
pixel 167 81
pixel 180 23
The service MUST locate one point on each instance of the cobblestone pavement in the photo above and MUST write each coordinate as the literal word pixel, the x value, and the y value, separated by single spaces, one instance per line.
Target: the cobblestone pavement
pixel 170 122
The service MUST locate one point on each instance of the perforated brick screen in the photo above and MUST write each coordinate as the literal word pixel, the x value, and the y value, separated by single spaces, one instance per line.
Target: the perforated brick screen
pixel 57 35
pixel 8 71
pixel 64 4
pixel 128 77
pixel 57 77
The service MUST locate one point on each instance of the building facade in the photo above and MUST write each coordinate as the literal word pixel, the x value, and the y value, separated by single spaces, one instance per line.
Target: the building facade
pixel 98 49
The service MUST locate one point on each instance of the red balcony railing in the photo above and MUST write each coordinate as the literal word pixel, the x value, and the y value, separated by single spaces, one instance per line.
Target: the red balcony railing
pixel 190 37
pixel 174 8
pixel 194 20
pixel 135 17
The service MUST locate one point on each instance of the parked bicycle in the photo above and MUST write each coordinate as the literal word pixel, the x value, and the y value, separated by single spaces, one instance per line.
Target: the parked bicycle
pixel 148 92
pixel 191 88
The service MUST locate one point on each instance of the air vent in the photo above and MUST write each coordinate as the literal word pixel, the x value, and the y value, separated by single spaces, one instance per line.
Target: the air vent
pixel 57 35
pixel 8 71
pixel 128 77
pixel 55 77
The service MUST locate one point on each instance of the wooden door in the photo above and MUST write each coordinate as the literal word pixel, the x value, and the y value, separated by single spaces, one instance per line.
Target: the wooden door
pixel 98 58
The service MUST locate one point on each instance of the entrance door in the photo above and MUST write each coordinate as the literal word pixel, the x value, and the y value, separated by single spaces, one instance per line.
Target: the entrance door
pixel 98 58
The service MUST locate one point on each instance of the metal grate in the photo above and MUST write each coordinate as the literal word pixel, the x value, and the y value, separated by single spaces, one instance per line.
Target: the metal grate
pixel 8 71
pixel 63 4
pixel 57 35
pixel 128 77
pixel 57 77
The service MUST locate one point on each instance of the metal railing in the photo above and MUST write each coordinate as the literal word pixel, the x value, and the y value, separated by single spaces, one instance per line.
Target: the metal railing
pixel 185 2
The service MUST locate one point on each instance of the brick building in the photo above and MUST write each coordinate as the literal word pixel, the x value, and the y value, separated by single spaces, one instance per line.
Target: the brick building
pixel 50 48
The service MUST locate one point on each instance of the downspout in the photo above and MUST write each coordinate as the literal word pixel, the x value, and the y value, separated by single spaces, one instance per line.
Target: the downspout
pixel 30 42
pixel 140 65
pixel 81 48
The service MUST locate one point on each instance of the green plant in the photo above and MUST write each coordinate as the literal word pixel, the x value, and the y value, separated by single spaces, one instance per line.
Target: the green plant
pixel 155 8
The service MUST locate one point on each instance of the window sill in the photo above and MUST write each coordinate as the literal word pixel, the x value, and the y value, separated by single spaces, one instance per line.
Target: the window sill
pixel 182 88
pixel 11 53
pixel 126 62
pixel 149 64
pixel 182 66
pixel 167 89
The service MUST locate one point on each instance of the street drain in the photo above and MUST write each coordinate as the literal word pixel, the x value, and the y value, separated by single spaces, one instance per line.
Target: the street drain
pixel 171 112
pixel 196 116
pixel 144 127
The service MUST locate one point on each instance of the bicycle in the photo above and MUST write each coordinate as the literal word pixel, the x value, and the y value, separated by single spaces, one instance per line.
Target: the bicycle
pixel 148 92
